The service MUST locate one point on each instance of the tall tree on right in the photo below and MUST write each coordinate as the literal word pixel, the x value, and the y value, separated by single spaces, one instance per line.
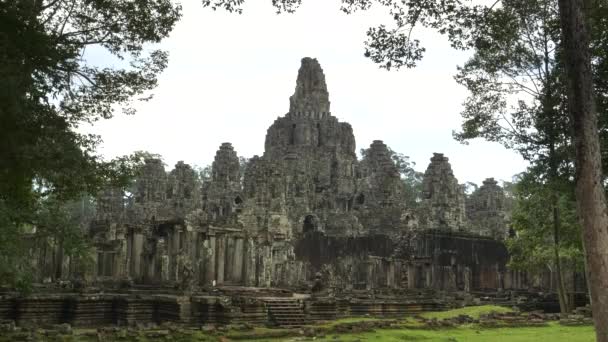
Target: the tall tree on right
pixel 516 98
pixel 590 192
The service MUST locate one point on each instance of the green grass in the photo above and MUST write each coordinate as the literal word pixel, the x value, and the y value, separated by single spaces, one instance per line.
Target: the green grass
pixel 553 332
pixel 333 323
pixel 408 330
pixel 473 311
pixel 412 331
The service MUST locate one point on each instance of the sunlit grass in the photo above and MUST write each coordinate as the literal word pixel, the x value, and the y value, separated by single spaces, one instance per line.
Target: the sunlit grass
pixel 473 311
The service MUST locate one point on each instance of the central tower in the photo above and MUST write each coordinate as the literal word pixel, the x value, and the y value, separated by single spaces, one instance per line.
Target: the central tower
pixel 311 98
pixel 308 127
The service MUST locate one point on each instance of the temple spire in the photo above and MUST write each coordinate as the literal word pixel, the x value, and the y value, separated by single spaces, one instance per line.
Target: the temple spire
pixel 310 97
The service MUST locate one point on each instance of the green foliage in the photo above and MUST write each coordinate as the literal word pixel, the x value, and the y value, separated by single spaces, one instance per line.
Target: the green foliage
pixel 512 80
pixel 470 188
pixel 48 89
pixel 393 46
pixel 532 248
pixel 411 178
pixel 53 222
pixel 204 173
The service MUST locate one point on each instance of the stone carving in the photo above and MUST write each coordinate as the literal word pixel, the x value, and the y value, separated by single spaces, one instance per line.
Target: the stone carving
pixel 487 212
pixel 311 97
pixel 443 204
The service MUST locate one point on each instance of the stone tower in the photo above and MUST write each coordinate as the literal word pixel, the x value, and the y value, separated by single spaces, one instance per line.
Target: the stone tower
pixel 151 192
pixel 486 210
pixel 311 97
pixel 183 190
pixel 380 184
pixel 222 194
pixel 309 158
pixel 443 204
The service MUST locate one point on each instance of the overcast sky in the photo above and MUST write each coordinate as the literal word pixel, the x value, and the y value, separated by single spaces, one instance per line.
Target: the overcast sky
pixel 230 76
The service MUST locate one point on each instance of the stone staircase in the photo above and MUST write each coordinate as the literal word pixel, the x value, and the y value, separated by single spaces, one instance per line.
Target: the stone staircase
pixel 285 312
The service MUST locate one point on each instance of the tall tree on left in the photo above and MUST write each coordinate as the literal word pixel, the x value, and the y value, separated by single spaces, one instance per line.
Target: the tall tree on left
pixel 48 88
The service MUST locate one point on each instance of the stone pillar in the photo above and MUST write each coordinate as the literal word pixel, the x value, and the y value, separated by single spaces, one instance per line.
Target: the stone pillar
pixel 411 276
pixel 370 274
pixel 210 251
pixel 237 261
pixel 220 258
pixel 428 276
pixel 175 252
pixel 467 279
pixel 164 268
pixel 250 263
pixel 390 275
pixel 198 257
pixel 229 263
pixel 122 259
pixel 265 269
pixel 138 246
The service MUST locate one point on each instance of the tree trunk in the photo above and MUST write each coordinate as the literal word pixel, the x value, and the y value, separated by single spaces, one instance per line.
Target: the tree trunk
pixel 590 195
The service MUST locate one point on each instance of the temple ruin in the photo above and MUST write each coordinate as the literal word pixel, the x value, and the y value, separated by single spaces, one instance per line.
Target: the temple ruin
pixel 307 216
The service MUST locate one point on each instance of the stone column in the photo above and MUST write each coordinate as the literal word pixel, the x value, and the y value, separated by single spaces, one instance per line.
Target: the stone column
pixel 209 248
pixel 250 263
pixel 411 276
pixel 88 273
pixel 198 257
pixel 237 261
pixel 121 256
pixel 175 252
pixel 220 258
pixel 265 266
pixel 370 274
pixel 390 274
pixel 229 263
pixel 138 246
pixel 429 275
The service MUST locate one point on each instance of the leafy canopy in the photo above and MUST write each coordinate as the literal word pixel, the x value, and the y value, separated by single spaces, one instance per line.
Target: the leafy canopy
pixel 48 88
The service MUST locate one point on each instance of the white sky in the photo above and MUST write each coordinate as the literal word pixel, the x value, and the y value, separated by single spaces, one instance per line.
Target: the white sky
pixel 230 76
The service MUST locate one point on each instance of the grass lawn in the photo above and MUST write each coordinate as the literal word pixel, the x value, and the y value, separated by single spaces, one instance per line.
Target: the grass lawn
pixel 406 330
pixel 411 331
pixel 473 311
pixel 553 333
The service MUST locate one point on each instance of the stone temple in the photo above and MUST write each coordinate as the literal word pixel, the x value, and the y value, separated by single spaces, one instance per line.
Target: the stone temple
pixel 306 218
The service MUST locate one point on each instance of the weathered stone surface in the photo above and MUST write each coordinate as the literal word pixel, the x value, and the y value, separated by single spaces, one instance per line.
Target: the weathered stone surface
pixel 443 205
pixel 311 97
pixel 487 212
pixel 380 184
pixel 305 214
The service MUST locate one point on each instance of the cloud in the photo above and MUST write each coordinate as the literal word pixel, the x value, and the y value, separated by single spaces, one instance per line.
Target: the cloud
pixel 230 76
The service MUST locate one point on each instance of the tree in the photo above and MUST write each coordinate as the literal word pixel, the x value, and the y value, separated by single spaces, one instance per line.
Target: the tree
pixel 533 247
pixel 411 178
pixel 48 88
pixel 469 188
pixel 590 193
pixel 515 59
